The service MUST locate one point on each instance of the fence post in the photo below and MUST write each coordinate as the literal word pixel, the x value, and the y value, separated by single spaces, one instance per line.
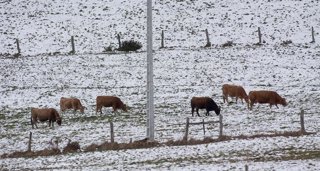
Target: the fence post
pixel 73 51
pixel 204 130
pixel 111 132
pixel 208 40
pixel 119 41
pixel 302 129
pixel 18 46
pixel 220 125
pixel 259 34
pixel 162 39
pixel 187 131
pixel 30 139
pixel 246 168
pixel 312 34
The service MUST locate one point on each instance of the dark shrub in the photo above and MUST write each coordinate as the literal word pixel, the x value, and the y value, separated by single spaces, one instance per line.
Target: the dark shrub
pixel 130 45
pixel 228 44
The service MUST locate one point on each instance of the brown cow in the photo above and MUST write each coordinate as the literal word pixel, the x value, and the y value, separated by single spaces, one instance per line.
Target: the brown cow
pixel 45 114
pixel 109 101
pixel 234 91
pixel 204 103
pixel 71 103
pixel 271 97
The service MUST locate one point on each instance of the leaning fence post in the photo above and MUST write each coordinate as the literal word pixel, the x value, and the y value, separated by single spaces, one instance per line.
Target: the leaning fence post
pixel 111 132
pixel 220 125
pixel 312 34
pixel 259 34
pixel 204 130
pixel 208 40
pixel 73 51
pixel 302 129
pixel 18 46
pixel 187 130
pixel 119 41
pixel 162 39
pixel 30 139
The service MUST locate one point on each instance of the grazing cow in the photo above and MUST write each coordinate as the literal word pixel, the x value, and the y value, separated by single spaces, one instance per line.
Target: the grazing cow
pixel 234 91
pixel 71 103
pixel 109 101
pixel 45 114
pixel 204 103
pixel 271 97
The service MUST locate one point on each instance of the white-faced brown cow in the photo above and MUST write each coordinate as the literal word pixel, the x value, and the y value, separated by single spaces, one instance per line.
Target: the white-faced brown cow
pixel 204 103
pixel 71 103
pixel 45 114
pixel 109 101
pixel 234 91
pixel 263 96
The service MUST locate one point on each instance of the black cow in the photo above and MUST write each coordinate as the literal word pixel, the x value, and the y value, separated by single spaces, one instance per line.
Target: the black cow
pixel 204 103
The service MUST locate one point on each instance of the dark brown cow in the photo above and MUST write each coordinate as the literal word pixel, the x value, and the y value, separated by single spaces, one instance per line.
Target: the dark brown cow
pixel 234 91
pixel 204 103
pixel 109 101
pixel 263 96
pixel 71 103
pixel 45 114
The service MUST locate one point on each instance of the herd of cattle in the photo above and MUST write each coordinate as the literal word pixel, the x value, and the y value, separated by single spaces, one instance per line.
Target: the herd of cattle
pixel 263 96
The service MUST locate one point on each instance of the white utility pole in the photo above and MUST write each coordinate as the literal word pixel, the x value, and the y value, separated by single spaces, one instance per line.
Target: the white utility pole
pixel 150 103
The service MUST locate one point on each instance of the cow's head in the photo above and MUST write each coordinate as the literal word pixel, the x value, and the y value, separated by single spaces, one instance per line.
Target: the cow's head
pixel 284 102
pixel 82 109
pixel 217 110
pixel 58 118
pixel 59 121
pixel 124 108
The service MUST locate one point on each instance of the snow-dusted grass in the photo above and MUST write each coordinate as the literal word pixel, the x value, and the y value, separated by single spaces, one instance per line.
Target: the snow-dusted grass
pixel 182 71
pixel 46 27
pixel 179 74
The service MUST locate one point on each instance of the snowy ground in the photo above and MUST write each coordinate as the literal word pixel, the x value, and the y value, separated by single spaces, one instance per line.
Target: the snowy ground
pixel 180 73
pixel 46 27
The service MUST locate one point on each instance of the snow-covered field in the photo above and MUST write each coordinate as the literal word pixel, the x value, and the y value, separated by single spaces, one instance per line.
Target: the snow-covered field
pixel 180 73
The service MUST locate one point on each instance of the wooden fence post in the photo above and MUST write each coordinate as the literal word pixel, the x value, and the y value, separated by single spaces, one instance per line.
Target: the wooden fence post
pixel 302 129
pixel 259 34
pixel 187 131
pixel 220 125
pixel 73 51
pixel 246 168
pixel 111 132
pixel 30 139
pixel 312 34
pixel 204 130
pixel 119 41
pixel 208 40
pixel 18 46
pixel 162 39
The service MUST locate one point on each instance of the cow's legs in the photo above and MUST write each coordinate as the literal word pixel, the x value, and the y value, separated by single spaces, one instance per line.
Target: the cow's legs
pixel 99 108
pixel 34 122
pixel 192 110
pixel 241 100
pixel 207 114
pixel 197 110
pixel 114 109
pixel 251 104
pixel 225 99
